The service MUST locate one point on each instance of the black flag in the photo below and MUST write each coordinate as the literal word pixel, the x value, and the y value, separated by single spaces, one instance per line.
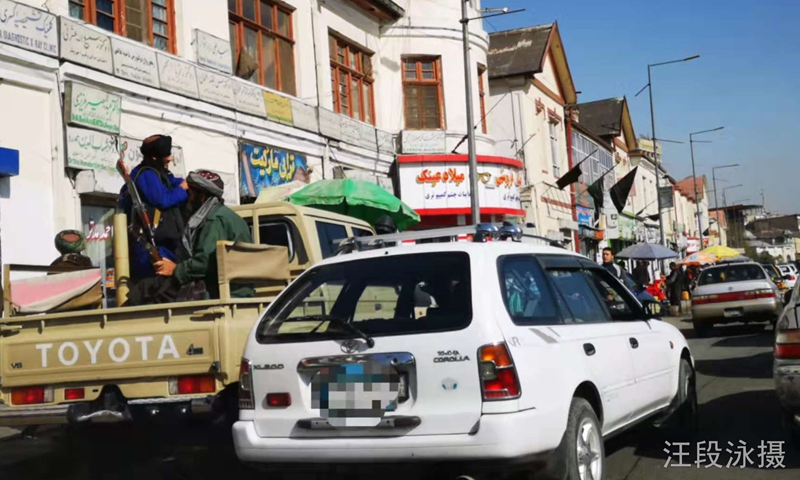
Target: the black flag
pixel 596 191
pixel 569 178
pixel 620 191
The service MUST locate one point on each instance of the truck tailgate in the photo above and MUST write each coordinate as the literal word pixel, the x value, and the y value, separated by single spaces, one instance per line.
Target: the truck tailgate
pixel 115 344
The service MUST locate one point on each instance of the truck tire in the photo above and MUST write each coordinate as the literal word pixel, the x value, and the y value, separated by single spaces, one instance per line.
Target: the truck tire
pixel 582 446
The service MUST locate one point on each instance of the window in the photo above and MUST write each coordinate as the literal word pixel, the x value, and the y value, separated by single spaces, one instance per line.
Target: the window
pixel 262 43
pixel 360 232
pixel 351 74
pixel 599 162
pixel 526 293
pixel 148 21
pixel 554 148
pixel 619 302
pixel 327 233
pixel 579 296
pixel 422 93
pixel 482 96
pixel 380 296
pixel 731 273
pixel 276 233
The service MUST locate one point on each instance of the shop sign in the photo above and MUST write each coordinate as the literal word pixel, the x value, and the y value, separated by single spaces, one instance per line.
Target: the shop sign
pixel 667 197
pixel 652 235
pixel 92 107
pixel 263 166
pixel 29 28
pixel 248 98
pixel 215 88
pixel 88 149
pixel 279 108
pixel 612 225
pixel 134 62
pixel 692 245
pixel 585 215
pixel 133 157
pixel 304 116
pixel 422 141
pixel 329 124
pixel 85 46
pixel 213 51
pixel 627 228
pixel 590 233
pixel 447 186
pixel 177 76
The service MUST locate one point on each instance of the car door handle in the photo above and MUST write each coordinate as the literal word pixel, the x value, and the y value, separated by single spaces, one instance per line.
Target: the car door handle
pixel 634 342
pixel 589 349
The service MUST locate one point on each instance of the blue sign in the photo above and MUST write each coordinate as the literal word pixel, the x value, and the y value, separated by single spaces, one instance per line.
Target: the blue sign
pixel 262 167
pixel 9 162
pixel 585 215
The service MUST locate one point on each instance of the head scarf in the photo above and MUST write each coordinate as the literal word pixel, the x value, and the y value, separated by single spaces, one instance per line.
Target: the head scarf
pixel 205 181
pixel 157 146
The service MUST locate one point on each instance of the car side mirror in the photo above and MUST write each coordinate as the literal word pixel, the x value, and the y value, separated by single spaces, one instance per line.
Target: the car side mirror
pixel 653 309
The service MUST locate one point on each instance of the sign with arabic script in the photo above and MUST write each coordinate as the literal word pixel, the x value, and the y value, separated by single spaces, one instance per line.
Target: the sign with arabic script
pixel 92 107
pixel 134 62
pixel 262 167
pixel 215 88
pixel 29 28
pixel 213 52
pixel 248 98
pixel 279 108
pixel 445 186
pixel 177 76
pixel 88 149
pixel 133 156
pixel 85 46
pixel 422 141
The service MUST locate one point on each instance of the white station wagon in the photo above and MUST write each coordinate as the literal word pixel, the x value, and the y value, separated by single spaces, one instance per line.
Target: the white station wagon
pixel 495 355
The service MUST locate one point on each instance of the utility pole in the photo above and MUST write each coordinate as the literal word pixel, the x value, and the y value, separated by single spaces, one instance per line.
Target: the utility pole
pixel 692 141
pixel 473 158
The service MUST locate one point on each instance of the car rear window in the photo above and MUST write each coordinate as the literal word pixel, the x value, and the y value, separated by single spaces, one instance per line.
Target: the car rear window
pixel 731 273
pixel 395 295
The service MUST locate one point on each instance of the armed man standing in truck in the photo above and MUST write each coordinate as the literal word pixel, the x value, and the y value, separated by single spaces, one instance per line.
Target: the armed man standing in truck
pixel 211 221
pixel 163 195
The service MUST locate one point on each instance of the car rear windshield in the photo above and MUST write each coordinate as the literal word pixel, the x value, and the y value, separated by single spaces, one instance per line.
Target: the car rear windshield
pixel 731 273
pixel 396 295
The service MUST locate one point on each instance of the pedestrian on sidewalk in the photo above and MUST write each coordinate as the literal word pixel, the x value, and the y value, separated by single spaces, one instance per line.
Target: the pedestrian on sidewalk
pixel 641 273
pixel 609 264
pixel 675 286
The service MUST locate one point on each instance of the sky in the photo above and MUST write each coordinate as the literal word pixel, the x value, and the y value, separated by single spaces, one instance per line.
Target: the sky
pixel 747 80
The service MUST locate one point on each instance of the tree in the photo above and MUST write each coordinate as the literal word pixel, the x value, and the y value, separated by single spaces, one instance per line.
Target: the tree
pixel 765 257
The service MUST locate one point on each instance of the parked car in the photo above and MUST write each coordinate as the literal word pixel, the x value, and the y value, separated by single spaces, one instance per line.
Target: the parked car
pixel 734 292
pixel 470 347
pixel 787 363
pixel 776 276
pixel 789 272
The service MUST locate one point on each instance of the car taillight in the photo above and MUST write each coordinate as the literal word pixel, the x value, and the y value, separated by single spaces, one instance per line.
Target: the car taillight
pixel 31 395
pixel 74 394
pixel 787 344
pixel 192 384
pixel 733 296
pixel 792 278
pixel 498 376
pixel 279 399
pixel 246 401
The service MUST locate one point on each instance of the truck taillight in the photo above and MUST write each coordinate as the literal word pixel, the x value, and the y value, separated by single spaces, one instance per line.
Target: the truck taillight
pixel 246 401
pixel 787 344
pixel 31 395
pixel 498 376
pixel 192 384
pixel 74 394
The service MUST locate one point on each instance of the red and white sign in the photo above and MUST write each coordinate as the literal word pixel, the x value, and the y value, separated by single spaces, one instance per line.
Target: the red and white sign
pixel 439 184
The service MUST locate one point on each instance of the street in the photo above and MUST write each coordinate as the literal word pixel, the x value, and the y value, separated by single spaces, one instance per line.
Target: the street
pixel 735 391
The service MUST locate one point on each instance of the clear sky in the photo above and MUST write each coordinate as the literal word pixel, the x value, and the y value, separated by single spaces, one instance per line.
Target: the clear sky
pixel 747 80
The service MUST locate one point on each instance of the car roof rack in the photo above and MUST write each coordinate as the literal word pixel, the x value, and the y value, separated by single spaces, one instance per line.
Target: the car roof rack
pixel 483 232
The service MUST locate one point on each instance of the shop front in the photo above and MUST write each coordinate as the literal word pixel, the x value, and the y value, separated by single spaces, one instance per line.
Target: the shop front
pixel 590 237
pixel 627 233
pixel 438 188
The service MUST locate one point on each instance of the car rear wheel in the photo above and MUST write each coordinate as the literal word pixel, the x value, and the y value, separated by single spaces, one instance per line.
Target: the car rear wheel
pixel 581 452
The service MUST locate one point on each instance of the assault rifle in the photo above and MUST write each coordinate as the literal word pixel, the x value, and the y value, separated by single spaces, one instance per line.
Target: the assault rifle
pixel 145 234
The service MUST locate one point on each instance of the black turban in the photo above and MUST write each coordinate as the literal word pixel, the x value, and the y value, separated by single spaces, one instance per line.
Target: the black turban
pixel 157 146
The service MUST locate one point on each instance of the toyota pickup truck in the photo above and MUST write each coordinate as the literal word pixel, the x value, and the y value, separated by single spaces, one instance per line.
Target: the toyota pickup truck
pixel 179 359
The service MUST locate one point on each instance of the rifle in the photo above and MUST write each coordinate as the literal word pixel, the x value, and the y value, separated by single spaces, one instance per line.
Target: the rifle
pixel 145 236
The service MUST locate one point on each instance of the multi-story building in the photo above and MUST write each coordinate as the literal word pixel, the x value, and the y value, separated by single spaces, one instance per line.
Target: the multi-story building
pixel 529 87
pixel 263 92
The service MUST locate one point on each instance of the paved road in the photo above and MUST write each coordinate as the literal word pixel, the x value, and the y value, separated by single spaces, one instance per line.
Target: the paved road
pixel 737 402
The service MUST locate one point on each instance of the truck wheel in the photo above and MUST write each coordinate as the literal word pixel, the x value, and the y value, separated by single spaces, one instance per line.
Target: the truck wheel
pixel 582 451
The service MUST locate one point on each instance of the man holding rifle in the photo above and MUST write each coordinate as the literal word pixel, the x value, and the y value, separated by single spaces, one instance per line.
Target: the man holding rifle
pixel 162 196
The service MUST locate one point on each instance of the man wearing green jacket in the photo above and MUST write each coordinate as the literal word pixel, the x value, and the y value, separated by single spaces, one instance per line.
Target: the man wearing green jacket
pixel 211 221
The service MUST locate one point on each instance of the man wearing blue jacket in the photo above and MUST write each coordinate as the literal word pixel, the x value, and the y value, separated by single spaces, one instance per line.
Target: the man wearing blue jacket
pixel 164 196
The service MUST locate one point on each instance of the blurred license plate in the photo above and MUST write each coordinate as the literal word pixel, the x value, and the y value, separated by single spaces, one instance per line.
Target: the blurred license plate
pixel 732 313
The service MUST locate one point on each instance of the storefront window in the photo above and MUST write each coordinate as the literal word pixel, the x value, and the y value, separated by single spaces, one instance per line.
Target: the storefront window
pixel 98 226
